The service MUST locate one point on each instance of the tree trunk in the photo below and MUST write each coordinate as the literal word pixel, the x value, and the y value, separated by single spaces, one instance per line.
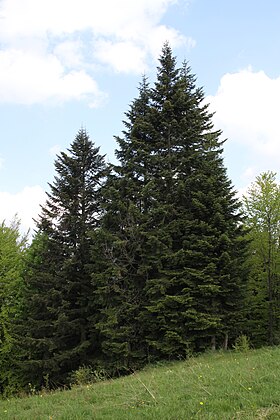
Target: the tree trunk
pixel 226 341
pixel 213 343
pixel 270 290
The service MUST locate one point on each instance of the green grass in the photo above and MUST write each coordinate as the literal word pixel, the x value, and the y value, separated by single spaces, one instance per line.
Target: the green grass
pixel 213 386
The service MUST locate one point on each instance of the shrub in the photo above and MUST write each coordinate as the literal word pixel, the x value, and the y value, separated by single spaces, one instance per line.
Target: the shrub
pixel 242 343
pixel 86 374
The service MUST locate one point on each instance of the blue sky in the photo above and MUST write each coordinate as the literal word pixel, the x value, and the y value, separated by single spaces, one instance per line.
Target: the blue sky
pixel 67 63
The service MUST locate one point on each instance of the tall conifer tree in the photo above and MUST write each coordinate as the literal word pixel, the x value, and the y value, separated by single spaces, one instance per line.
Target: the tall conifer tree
pixel 177 234
pixel 59 285
pixel 122 239
pixel 199 289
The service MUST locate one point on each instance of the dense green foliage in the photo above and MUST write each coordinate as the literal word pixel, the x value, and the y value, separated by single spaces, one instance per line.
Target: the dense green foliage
pixel 59 293
pixel 262 211
pixel 175 247
pixel 144 260
pixel 12 253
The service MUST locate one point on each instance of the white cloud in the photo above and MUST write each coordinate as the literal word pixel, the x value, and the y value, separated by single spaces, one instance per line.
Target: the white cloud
pixel 25 203
pixel 28 78
pixel 70 53
pixel 37 18
pixel 161 33
pixel 49 49
pixel 132 55
pixel 116 54
pixel 247 110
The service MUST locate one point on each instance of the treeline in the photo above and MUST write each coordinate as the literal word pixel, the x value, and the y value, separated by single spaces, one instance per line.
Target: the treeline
pixel 145 260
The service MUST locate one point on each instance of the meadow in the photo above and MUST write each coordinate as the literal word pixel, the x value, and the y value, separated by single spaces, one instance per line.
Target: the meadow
pixel 220 385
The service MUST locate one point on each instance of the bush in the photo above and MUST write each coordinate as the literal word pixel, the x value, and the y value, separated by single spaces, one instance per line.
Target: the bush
pixel 242 343
pixel 86 374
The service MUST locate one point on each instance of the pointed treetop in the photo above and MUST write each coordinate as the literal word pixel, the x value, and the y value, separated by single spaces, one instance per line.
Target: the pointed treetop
pixel 167 60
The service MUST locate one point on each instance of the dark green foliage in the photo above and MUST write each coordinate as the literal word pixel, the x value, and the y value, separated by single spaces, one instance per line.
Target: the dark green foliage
pixel 43 299
pixel 121 246
pixel 172 278
pixel 148 265
pixel 198 290
pixel 59 289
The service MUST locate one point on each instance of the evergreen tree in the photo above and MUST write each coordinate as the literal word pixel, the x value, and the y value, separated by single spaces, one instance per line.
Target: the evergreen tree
pixel 177 241
pixel 121 242
pixel 59 287
pixel 199 289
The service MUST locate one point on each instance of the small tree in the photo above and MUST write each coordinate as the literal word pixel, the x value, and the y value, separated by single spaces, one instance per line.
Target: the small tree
pixel 13 248
pixel 262 211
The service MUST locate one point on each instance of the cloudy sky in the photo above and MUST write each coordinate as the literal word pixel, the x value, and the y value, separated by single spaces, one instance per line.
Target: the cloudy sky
pixel 65 64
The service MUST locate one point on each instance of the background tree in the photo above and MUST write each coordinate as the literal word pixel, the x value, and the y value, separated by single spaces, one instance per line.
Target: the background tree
pixel 120 243
pixel 59 286
pixel 13 248
pixel 262 210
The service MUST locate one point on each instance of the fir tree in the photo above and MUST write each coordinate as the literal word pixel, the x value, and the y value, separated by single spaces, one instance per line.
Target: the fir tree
pixel 121 241
pixel 60 290
pixel 173 227
pixel 199 290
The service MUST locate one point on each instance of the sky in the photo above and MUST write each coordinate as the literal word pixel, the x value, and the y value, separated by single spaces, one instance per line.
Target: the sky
pixel 67 64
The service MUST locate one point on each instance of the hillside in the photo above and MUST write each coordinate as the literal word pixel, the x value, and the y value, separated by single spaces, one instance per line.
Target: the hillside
pixel 213 386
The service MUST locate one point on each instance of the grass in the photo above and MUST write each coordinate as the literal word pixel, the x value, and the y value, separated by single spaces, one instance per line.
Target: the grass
pixel 216 386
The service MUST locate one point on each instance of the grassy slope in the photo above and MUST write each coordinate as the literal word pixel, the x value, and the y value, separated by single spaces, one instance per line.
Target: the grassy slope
pixel 213 386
